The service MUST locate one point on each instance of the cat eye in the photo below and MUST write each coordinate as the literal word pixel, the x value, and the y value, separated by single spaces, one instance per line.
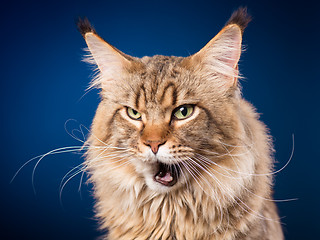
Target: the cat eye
pixel 135 115
pixel 183 112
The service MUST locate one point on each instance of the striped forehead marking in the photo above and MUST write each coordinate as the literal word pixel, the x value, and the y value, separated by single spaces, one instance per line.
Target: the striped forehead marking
pixel 169 95
pixel 166 97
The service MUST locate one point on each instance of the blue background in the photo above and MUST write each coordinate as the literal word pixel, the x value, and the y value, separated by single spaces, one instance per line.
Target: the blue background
pixel 43 82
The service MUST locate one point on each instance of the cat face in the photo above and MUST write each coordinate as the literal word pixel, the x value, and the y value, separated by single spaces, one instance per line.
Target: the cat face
pixel 162 115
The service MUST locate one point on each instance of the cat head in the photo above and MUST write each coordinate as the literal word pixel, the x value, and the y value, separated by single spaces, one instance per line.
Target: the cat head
pixel 160 116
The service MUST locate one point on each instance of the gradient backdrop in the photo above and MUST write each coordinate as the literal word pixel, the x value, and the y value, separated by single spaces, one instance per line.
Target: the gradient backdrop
pixel 43 82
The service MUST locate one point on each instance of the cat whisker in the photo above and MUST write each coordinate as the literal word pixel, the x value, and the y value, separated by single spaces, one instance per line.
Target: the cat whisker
pixel 210 187
pixel 208 162
pixel 108 159
pixel 115 151
pixel 254 213
pixel 100 162
pixel 232 157
pixel 80 183
pixel 186 165
pixel 72 133
pixel 253 174
pixel 41 157
pixel 80 166
pixel 219 155
pixel 203 168
pixel 81 131
pixel 68 149
pixel 250 174
pixel 235 146
pixel 83 166
pixel 120 165
pixel 182 173
pixel 244 187
pixel 245 207
pixel 52 152
pixel 65 183
pixel 211 194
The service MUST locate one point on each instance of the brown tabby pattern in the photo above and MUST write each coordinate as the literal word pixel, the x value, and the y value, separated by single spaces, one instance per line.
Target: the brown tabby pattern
pixel 175 152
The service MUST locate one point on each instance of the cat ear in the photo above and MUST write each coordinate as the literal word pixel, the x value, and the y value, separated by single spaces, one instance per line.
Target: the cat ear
pixel 219 58
pixel 222 53
pixel 110 61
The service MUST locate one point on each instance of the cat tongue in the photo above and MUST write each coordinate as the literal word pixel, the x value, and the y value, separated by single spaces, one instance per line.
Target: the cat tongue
pixel 165 176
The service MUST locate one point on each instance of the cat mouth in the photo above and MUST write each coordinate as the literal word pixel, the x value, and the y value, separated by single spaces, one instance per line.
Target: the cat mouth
pixel 167 175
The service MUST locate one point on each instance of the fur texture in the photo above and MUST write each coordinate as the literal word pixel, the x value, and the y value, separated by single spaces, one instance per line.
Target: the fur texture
pixel 175 152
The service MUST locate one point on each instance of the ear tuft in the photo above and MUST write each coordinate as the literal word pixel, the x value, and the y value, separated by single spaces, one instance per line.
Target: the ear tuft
pixel 84 26
pixel 218 59
pixel 240 17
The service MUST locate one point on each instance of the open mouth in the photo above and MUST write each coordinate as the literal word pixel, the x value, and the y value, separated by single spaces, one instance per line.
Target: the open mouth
pixel 167 175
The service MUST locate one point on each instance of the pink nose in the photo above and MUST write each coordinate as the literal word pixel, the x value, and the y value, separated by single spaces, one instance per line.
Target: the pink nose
pixel 154 145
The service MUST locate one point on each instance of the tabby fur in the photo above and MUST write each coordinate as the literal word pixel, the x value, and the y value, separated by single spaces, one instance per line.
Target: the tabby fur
pixel 222 153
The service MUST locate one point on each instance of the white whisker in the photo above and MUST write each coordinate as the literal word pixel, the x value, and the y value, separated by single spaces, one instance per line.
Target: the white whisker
pixel 52 152
pixel 65 183
pixel 232 196
pixel 67 174
pixel 80 183
pixel 210 187
pixel 244 187
pixel 254 174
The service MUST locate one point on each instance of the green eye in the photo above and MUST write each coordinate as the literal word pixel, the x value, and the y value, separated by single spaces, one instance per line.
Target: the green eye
pixel 133 113
pixel 183 112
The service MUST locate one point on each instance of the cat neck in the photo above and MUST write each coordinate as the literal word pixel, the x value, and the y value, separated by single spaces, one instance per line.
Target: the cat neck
pixel 187 213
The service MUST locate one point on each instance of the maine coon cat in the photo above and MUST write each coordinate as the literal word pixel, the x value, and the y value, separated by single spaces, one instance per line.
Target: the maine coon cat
pixel 175 152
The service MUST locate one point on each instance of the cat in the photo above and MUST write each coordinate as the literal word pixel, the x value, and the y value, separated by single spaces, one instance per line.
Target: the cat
pixel 175 152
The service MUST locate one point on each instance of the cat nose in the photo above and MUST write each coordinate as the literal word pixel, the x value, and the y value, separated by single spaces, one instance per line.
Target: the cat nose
pixel 154 145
